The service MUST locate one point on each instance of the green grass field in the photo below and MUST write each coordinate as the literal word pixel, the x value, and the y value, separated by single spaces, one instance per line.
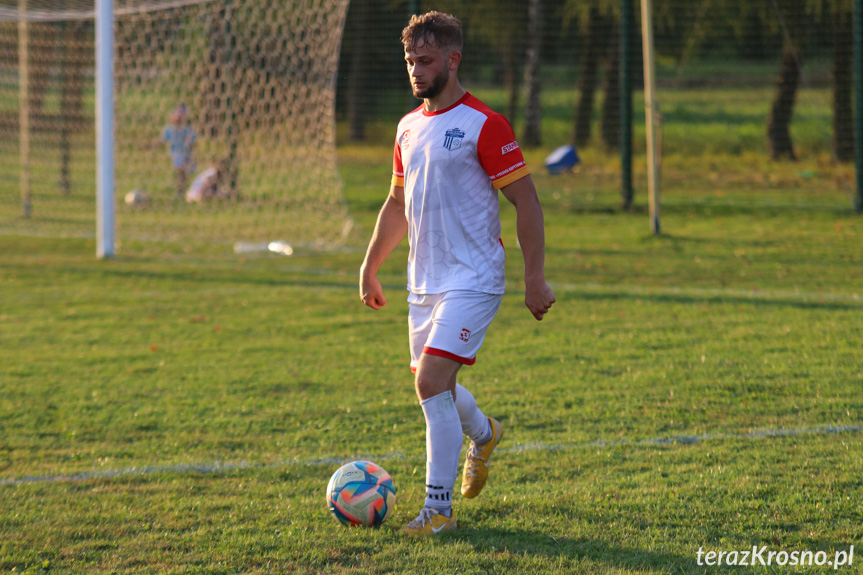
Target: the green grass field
pixel 699 390
pixel 205 404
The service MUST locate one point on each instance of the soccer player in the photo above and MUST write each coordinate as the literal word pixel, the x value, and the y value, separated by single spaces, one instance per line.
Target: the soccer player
pixel 452 155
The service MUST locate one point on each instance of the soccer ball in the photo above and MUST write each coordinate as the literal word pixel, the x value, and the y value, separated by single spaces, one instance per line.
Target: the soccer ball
pixel 361 493
pixel 136 197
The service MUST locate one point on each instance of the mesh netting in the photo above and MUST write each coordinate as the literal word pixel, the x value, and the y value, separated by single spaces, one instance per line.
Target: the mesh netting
pixel 225 128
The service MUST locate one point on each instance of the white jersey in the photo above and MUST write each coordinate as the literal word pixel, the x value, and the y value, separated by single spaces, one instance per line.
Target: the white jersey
pixel 451 164
pixel 197 192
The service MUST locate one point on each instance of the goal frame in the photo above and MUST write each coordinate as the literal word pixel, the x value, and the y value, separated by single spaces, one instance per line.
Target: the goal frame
pixel 105 227
pixel 110 141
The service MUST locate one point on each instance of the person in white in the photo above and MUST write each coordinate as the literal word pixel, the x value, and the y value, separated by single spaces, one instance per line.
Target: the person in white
pixel 208 184
pixel 451 157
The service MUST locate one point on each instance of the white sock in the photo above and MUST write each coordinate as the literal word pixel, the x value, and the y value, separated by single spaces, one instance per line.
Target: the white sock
pixel 474 423
pixel 443 447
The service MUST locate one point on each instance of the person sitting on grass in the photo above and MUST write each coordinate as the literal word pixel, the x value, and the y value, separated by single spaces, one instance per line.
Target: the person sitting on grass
pixel 208 185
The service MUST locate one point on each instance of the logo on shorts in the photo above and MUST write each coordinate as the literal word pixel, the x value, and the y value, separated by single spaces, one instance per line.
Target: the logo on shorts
pixel 453 139
pixel 465 335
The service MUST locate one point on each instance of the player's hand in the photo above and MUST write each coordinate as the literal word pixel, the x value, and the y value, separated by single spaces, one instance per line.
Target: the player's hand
pixel 539 299
pixel 371 292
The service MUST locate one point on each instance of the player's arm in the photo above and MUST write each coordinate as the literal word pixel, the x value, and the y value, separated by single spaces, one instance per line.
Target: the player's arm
pixel 530 228
pixel 390 229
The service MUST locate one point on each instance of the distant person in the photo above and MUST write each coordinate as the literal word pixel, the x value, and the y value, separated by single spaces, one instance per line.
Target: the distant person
pixel 208 184
pixel 181 138
pixel 452 155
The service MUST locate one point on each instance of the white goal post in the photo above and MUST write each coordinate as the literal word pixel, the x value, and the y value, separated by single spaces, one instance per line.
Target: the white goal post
pixel 105 247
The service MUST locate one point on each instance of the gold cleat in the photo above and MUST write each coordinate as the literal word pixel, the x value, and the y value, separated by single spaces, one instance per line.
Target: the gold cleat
pixel 429 522
pixel 476 463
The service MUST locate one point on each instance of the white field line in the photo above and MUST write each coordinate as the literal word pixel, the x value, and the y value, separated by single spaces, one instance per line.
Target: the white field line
pixel 221 467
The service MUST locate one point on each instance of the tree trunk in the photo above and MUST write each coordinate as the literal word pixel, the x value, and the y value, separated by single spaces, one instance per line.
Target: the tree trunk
pixel 512 76
pixel 533 115
pixel 587 79
pixel 360 66
pixel 843 116
pixel 609 121
pixel 778 124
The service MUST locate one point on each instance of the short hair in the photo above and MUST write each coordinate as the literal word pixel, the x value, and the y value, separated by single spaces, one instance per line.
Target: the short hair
pixel 435 29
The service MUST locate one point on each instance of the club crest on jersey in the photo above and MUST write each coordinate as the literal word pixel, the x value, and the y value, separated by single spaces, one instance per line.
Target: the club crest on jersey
pixel 453 138
pixel 406 139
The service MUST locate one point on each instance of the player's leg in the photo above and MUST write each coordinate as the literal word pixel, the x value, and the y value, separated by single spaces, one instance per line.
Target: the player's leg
pixel 458 325
pixel 485 433
pixel 180 181
pixel 436 514
pixel 478 460
pixel 474 313
pixel 435 380
pixel 474 423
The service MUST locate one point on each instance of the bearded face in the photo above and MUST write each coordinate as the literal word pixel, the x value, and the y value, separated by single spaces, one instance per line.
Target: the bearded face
pixel 428 67
pixel 431 88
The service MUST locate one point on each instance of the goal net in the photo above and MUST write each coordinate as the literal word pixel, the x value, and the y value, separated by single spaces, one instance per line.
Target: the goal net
pixel 224 121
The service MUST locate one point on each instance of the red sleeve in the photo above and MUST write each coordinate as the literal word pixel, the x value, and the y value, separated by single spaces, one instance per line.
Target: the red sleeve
pixel 499 153
pixel 398 168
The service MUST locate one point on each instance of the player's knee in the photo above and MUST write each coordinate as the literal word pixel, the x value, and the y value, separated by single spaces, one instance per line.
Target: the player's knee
pixel 427 385
pixel 435 375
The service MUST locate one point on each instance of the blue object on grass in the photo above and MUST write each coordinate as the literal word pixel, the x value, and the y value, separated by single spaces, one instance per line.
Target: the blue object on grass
pixel 563 159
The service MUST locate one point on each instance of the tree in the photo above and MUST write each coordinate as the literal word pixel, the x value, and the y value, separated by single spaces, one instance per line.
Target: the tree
pixel 791 25
pixel 533 115
pixel 594 38
pixel 359 68
pixel 502 24
pixel 609 121
pixel 843 75
pixel 779 140
pixel 794 19
pixel 595 19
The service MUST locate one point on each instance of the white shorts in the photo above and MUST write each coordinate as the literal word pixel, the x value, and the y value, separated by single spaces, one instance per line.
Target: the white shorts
pixel 451 324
